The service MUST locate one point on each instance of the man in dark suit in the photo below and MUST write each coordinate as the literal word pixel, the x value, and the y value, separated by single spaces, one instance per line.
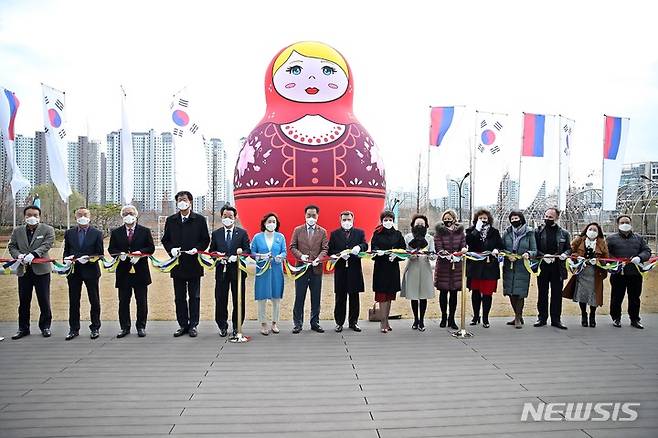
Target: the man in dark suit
pixel 185 234
pixel 133 272
pixel 28 242
pixel 309 244
pixel 348 275
pixel 230 240
pixel 80 244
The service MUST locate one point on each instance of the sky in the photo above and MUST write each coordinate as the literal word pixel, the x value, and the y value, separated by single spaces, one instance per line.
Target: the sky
pixel 579 59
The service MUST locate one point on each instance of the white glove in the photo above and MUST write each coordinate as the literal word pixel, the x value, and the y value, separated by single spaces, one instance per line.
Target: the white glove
pixel 84 259
pixel 175 252
pixel 20 257
pixel 356 250
pixel 380 252
pixel 28 259
pixel 635 260
pixel 564 256
pixel 68 259
pixel 526 256
pixel 548 260
pixel 433 257
pixel 592 261
pixel 192 251
pixel 315 262
pixel 345 256
pixel 494 252
pixel 233 259
pixel 123 256
pixel 134 260
pixel 304 258
pixel 278 258
pixel 478 225
pixel 464 250
pixel 391 257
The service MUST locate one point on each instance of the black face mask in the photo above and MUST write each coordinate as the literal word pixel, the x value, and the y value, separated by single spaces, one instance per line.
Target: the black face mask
pixel 448 223
pixel 549 222
pixel 516 224
pixel 419 230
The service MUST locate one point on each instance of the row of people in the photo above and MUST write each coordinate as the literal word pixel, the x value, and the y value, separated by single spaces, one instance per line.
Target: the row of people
pixel 186 234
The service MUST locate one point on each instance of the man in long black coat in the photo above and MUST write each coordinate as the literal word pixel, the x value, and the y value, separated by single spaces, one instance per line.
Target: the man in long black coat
pixel 348 274
pixel 185 234
pixel 132 273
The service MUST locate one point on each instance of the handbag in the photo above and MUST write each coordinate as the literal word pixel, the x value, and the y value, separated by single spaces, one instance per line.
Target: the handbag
pixel 375 313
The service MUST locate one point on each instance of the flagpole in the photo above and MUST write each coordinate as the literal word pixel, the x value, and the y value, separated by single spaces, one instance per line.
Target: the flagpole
pixel 521 159
pixel 471 179
pixel 602 173
pixel 14 210
pixel 68 214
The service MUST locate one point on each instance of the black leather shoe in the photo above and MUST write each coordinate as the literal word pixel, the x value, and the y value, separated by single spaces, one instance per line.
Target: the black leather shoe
pixel 318 329
pixel 355 327
pixel 443 322
pixel 141 332
pixel 485 324
pixel 512 322
pixel 637 325
pixel 474 321
pixel 559 325
pixel 421 327
pixel 296 329
pixel 616 323
pixel 583 321
pixel 234 333
pixel 123 333
pixel 223 332
pixel 339 328
pixel 71 335
pixel 19 335
pixel 540 323
pixel 94 334
pixel 46 333
pixel 452 324
pixel 180 332
pixel 193 333
pixel 414 326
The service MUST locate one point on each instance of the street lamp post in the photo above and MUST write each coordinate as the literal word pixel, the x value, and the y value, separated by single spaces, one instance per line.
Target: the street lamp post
pixel 459 187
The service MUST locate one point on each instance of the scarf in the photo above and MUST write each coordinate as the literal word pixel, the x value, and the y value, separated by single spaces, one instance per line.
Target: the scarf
pixel 517 235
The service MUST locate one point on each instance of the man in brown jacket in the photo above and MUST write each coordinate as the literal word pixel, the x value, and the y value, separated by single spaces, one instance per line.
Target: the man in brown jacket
pixel 309 244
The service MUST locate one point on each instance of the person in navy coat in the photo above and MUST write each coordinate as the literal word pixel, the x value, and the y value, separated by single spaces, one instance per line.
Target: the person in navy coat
pixel 269 284
pixel 348 274
pixel 81 243
pixel 230 240
pixel 132 273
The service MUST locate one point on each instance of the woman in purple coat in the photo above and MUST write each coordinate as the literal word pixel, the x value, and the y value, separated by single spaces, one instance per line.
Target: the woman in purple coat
pixel 449 238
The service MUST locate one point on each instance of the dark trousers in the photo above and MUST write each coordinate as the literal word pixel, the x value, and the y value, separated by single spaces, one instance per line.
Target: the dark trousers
pixel 125 295
pixel 41 284
pixel 622 283
pixel 187 315
pixel 341 304
pixel 549 278
pixel 75 291
pixel 312 281
pixel 226 279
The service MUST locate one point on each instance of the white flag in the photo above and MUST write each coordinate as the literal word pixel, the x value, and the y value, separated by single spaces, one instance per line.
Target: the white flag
pixel 566 142
pixel 126 155
pixel 8 110
pixel 614 149
pixel 54 119
pixel 190 161
pixel 491 157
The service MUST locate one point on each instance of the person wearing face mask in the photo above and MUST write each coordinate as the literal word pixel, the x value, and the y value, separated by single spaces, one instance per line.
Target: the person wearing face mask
pixel 185 234
pixel 132 273
pixel 517 239
pixel 449 238
pixel 482 276
pixel 627 245
pixel 29 242
pixel 269 284
pixel 418 278
pixel 386 272
pixel 81 243
pixel 552 240
pixel 309 244
pixel 586 288
pixel 348 274
pixel 230 240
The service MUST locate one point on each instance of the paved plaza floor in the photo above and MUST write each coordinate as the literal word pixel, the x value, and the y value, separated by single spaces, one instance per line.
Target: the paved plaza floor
pixel 369 384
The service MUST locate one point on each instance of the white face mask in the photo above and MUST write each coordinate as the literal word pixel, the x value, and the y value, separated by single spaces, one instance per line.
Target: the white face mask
pixel 387 224
pixel 347 225
pixel 32 220
pixel 84 220
pixel 183 205
pixel 625 228
pixel 311 221
pixel 592 234
pixel 271 226
pixel 129 219
pixel 228 222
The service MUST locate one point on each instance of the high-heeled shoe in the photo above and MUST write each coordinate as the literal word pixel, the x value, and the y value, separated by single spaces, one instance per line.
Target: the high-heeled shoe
pixel 443 322
pixel 275 328
pixel 452 324
pixel 485 323
pixel 474 321
pixel 414 326
pixel 421 326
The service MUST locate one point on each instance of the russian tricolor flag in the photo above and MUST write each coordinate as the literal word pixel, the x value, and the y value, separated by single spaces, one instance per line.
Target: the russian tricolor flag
pixel 13 102
pixel 615 132
pixel 441 120
pixel 614 148
pixel 533 135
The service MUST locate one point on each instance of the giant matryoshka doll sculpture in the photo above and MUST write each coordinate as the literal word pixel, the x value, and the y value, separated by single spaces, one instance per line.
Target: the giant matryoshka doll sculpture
pixel 309 148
